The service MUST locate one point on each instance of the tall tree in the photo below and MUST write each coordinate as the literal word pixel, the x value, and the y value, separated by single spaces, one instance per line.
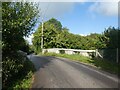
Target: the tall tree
pixel 111 36
pixel 18 20
pixel 52 28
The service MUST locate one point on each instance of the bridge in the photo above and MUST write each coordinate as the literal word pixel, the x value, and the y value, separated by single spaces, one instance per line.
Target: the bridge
pixel 88 53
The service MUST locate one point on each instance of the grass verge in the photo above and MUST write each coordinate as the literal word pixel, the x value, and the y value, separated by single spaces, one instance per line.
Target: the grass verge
pixel 105 65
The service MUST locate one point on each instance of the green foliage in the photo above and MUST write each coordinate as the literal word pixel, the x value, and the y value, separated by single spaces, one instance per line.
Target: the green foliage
pixel 24 81
pixel 56 23
pixel 111 36
pixel 95 42
pixel 12 68
pixel 31 49
pixel 56 36
pixel 18 20
pixel 51 29
pixel 25 46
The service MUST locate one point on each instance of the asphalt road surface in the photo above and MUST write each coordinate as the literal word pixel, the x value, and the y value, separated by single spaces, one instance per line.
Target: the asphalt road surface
pixel 55 72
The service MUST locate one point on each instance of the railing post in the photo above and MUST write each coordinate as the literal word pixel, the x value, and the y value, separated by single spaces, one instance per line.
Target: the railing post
pixel 96 53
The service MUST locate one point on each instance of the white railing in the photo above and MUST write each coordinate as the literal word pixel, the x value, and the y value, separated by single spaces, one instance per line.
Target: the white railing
pixel 87 53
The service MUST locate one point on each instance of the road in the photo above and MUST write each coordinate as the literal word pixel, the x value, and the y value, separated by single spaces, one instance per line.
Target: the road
pixel 55 72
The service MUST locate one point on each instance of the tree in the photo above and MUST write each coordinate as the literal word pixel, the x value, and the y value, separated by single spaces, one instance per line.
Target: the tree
pixel 52 28
pixel 25 46
pixel 56 36
pixel 111 36
pixel 18 20
pixel 94 41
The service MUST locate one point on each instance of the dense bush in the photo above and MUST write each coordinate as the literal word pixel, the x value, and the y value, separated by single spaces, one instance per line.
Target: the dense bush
pixel 111 54
pixel 14 68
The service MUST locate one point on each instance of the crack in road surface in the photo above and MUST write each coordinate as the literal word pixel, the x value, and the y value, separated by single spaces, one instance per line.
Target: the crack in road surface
pixel 62 73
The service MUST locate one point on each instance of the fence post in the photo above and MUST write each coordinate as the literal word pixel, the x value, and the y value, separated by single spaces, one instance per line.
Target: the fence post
pixel 96 53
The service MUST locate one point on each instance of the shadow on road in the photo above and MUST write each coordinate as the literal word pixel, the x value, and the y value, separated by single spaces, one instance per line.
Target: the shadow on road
pixel 41 61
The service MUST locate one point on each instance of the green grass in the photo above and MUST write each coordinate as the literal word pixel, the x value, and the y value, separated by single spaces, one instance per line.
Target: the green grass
pixel 105 65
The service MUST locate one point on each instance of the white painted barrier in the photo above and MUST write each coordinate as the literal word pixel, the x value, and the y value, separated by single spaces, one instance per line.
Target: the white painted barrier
pixel 87 53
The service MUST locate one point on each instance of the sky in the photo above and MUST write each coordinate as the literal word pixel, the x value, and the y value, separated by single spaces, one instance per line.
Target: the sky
pixel 81 18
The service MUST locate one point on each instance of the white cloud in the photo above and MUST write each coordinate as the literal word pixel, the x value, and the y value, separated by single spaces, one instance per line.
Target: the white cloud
pixel 55 9
pixel 83 34
pixel 105 8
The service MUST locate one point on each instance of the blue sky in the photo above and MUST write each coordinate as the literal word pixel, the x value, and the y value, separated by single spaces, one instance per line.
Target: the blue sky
pixel 81 21
pixel 81 17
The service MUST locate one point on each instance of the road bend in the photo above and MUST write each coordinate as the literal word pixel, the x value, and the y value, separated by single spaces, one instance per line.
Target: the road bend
pixel 53 72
